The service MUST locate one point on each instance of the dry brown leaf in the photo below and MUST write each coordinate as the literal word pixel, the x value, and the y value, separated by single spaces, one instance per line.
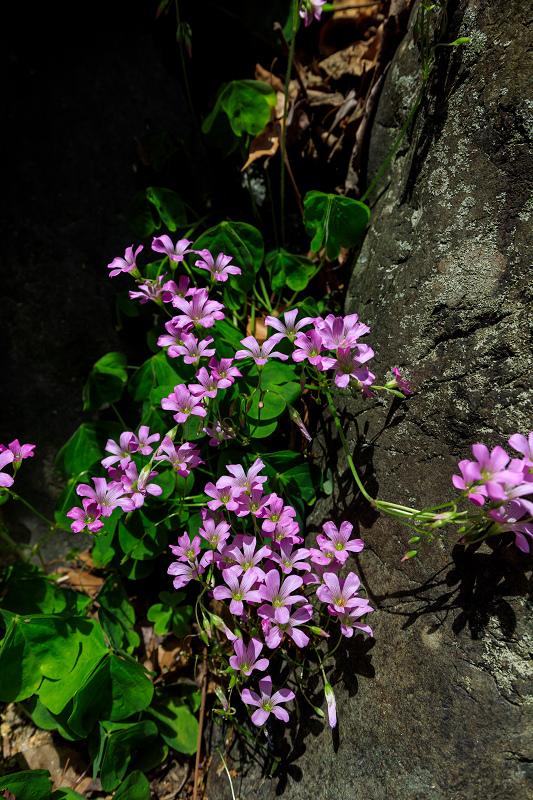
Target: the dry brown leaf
pixel 173 654
pixel 316 98
pixel 261 333
pixel 355 60
pixel 85 581
pixel 263 75
pixel 265 143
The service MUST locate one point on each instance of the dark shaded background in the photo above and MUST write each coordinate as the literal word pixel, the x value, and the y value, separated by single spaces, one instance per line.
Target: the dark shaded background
pixel 82 85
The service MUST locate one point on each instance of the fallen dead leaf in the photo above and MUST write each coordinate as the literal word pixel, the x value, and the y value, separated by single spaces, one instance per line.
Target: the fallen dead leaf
pixel 173 654
pixel 263 75
pixel 355 60
pixel 264 144
pixel 261 332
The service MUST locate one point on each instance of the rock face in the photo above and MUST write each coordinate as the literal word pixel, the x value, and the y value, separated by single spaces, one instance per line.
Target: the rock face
pixel 440 704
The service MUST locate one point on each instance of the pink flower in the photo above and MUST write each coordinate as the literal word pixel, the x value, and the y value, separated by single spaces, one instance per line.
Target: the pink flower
pixel 163 244
pixel 242 481
pixel 288 560
pixel 267 702
pixel 289 328
pixel 471 482
pixel 222 496
pixel 246 558
pixel 347 365
pixel 182 458
pixel 309 345
pixel 311 9
pixel 126 264
pixel 491 469
pixel 200 310
pixel 19 451
pixel 207 386
pixel 216 533
pixel 106 495
pixel 173 338
pixel 185 549
pixel 338 541
pixel 238 591
pixel 506 518
pixel 185 572
pixel 144 440
pixel 398 383
pixel 121 452
pixel 219 271
pixel 280 621
pixel 138 486
pixel 88 516
pixel 224 371
pixel 245 658
pixel 184 403
pixel 191 349
pixel 218 434
pixel 253 503
pixel 259 353
pixel 6 458
pixel 340 331
pixel 279 595
pixel 348 620
pixel 171 288
pixel 524 446
pixel 332 706
pixel 277 513
pixel 340 593
pixel 148 290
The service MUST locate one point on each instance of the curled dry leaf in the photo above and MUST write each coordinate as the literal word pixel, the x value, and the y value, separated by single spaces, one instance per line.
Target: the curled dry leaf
pixel 355 60
pixel 264 144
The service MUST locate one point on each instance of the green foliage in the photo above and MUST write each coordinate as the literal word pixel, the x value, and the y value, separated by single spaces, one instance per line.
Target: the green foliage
pixel 177 724
pixel 241 241
pixel 116 615
pixel 169 614
pixel 241 107
pixel 289 270
pixel 339 221
pixel 135 787
pixel 27 590
pixel 85 447
pixel 33 648
pixel 106 381
pixel 153 207
pixel 33 784
pixel 116 744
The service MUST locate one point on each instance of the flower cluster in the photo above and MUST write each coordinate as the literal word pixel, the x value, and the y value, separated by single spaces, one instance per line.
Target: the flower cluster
pixel 257 574
pixel 504 482
pixel 128 488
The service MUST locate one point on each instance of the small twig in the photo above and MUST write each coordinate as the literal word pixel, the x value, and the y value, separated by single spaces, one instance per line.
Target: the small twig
pixel 63 773
pixel 200 730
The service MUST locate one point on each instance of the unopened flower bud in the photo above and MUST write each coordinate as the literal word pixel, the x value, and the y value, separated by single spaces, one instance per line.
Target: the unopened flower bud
pixel 410 554
pixel 415 540
pixel 172 433
pixel 332 707
pixel 296 418
pixel 318 631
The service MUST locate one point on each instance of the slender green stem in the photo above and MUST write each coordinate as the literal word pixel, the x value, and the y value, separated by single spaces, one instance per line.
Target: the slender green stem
pixel 113 406
pixel 295 5
pixel 345 445
pixel 37 513
pixel 13 545
pixel 228 773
